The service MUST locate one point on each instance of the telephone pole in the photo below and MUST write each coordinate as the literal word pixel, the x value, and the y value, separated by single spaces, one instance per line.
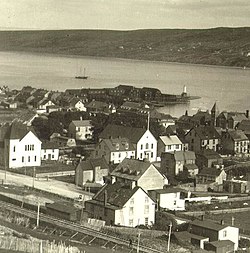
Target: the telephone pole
pixel 169 235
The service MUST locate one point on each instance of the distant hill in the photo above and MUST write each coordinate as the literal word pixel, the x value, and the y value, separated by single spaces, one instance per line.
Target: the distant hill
pixel 218 46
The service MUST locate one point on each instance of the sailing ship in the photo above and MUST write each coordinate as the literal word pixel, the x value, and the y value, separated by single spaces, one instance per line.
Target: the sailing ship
pixel 82 76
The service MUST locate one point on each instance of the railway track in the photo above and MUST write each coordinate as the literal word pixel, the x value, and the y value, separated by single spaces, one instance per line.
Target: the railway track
pixel 76 228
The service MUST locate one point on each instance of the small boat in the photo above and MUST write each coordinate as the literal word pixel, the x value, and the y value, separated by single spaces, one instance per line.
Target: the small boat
pixel 82 76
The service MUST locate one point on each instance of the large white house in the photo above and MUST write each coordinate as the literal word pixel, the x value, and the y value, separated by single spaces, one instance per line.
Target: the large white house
pixel 20 146
pixel 146 143
pixel 118 205
pixel 80 129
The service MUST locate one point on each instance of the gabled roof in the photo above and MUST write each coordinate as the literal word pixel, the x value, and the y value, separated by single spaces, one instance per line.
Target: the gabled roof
pixel 245 126
pixel 90 164
pixel 131 169
pixel 209 225
pixel 97 104
pixel 181 155
pixel 17 130
pixel 237 135
pixel 170 140
pixel 206 132
pixel 119 144
pixel 238 117
pixel 81 123
pixel 49 145
pixel 222 243
pixel 115 131
pixel 209 154
pixel 74 101
pixel 210 172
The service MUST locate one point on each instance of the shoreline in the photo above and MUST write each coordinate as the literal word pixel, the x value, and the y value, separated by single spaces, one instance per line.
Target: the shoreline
pixel 122 59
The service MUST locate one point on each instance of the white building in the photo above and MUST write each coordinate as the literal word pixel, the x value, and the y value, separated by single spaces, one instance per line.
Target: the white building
pixel 114 150
pixel 80 129
pixel 169 198
pixel 49 151
pixel 146 143
pixel 21 147
pixel 118 205
pixel 169 143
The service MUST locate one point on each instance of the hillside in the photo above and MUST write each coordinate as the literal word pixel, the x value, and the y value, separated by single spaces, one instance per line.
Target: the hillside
pixel 219 46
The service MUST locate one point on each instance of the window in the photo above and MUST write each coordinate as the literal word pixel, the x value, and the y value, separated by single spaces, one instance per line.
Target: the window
pixel 152 154
pixel 131 223
pixel 14 149
pixel 169 147
pixel 146 221
pixel 146 145
pixel 146 209
pixel 224 233
pixel 44 157
pixel 28 159
pixel 132 201
pixel 141 146
pixel 35 158
pixel 22 159
pixel 131 211
pixel 52 156
pixel 119 155
pixel 146 199
pixel 13 159
pixel 141 156
pixel 152 145
pixel 174 202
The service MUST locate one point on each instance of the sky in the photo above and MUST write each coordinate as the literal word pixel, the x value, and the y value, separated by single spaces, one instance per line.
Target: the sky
pixel 122 14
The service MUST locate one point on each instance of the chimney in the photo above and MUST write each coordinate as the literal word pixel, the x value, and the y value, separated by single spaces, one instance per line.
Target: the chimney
pixel 247 114
pixel 222 222
pixel 105 197
pixel 202 217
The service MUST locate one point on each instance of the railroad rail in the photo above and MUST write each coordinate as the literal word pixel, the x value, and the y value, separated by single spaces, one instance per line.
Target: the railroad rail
pixel 76 228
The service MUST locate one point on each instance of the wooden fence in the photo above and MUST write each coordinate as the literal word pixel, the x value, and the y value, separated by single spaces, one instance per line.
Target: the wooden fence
pixel 31 246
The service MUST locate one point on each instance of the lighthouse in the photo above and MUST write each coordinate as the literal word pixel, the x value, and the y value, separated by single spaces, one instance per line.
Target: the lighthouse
pixel 184 93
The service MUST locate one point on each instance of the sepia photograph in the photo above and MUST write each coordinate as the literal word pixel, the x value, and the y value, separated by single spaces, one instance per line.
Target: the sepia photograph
pixel 124 126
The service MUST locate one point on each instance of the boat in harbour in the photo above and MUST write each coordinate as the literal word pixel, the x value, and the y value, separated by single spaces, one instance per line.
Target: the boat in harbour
pixel 82 76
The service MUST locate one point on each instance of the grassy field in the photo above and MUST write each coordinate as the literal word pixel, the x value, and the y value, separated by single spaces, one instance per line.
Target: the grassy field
pixel 218 46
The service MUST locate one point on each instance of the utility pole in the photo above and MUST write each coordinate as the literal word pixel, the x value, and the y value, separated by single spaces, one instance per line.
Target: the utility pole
pixel 38 214
pixel 169 234
pixel 34 171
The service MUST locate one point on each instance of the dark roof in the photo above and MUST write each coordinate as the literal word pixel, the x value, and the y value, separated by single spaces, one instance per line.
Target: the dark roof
pixel 80 123
pixel 49 145
pixel 169 190
pixel 119 144
pixel 209 154
pixel 181 155
pixel 17 130
pixel 115 131
pixel 63 207
pixel 90 164
pixel 245 126
pixel 191 167
pixel 237 135
pixel 131 169
pixel 222 243
pixel 206 132
pixel 209 172
pixel 208 224
pixel 117 194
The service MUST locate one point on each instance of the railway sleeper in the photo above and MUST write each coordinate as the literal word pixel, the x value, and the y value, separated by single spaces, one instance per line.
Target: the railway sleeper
pixel 91 240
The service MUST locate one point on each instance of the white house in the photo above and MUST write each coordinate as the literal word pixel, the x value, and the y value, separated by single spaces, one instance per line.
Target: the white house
pixel 169 198
pixel 169 143
pixel 146 143
pixel 114 150
pixel 43 104
pixel 118 205
pixel 80 129
pixel 139 173
pixel 49 151
pixel 77 104
pixel 22 148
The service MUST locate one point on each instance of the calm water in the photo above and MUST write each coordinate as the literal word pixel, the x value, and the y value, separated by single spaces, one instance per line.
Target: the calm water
pixel 230 87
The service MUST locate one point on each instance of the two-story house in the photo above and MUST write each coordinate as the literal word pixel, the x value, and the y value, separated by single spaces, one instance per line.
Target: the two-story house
pixel 139 173
pixel 92 171
pixel 115 150
pixel 173 163
pixel 234 142
pixel 146 143
pixel 20 146
pixel 203 137
pixel 80 129
pixel 169 143
pixel 117 204
pixel 77 104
